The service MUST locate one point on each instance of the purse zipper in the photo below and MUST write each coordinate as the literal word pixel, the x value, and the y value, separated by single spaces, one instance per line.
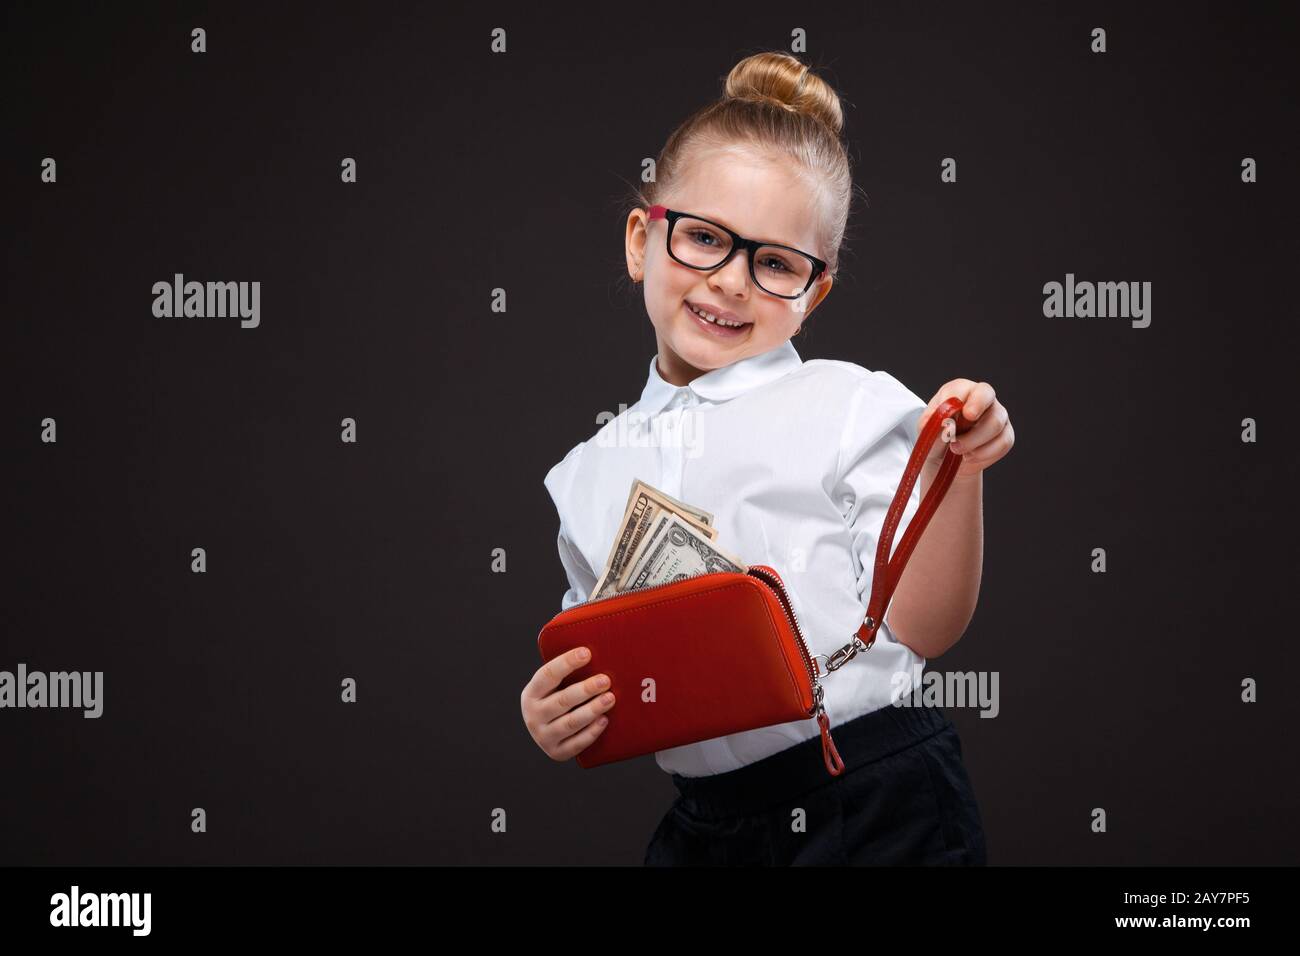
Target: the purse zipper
pixel 640 590
pixel 830 755
pixel 765 574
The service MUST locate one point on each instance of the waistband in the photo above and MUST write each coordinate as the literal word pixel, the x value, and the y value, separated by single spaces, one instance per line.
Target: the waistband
pixel 801 768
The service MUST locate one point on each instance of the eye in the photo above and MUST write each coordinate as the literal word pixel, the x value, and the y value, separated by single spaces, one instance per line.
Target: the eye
pixel 696 234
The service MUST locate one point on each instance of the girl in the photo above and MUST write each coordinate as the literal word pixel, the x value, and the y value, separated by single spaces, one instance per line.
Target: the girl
pixel 737 243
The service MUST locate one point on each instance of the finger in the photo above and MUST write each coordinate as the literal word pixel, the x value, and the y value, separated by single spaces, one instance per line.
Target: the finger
pixel 551 674
pixel 977 401
pixel 991 451
pixel 581 740
pixel 575 720
pixel 563 701
pixel 985 430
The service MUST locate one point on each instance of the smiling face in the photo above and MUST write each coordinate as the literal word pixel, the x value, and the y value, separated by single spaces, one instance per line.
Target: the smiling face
pixel 758 198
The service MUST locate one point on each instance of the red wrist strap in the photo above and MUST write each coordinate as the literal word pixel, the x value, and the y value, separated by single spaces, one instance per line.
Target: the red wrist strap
pixel 888 572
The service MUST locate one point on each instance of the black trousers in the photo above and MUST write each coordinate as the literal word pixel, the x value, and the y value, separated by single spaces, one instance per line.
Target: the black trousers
pixel 903 799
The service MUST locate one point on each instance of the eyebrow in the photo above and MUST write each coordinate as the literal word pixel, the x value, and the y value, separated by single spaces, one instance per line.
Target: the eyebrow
pixel 722 221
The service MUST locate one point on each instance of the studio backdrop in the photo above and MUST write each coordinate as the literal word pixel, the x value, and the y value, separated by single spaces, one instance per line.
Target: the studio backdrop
pixel 296 545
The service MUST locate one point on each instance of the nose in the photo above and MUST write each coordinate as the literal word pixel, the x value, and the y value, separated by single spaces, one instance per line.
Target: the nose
pixel 732 277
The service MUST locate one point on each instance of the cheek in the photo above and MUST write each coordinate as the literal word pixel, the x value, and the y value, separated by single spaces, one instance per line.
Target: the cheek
pixel 664 297
pixel 781 322
pixel 661 304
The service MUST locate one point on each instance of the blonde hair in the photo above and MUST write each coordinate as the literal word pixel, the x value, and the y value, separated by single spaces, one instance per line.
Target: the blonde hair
pixel 775 105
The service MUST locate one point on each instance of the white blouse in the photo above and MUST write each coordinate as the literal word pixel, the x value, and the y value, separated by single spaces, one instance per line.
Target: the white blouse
pixel 798 463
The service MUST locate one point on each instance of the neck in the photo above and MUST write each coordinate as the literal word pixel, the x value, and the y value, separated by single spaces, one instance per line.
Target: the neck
pixel 674 370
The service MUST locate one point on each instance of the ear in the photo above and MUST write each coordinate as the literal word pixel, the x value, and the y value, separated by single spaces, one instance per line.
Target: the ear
pixel 634 243
pixel 823 289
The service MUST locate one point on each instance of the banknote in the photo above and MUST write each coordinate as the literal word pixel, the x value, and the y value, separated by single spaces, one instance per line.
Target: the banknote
pixel 681 507
pixel 645 505
pixel 674 550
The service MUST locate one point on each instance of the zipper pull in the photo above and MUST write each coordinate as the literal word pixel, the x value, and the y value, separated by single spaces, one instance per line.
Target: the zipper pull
pixel 830 755
pixel 828 745
pixel 836 767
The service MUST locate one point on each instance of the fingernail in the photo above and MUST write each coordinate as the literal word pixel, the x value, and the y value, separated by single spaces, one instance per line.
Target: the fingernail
pixel 583 654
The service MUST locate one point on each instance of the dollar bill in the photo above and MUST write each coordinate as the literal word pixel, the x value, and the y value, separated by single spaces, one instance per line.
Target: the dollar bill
pixel 645 506
pixel 681 507
pixel 674 550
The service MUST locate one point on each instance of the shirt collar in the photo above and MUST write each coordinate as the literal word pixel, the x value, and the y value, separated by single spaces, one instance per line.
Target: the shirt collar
pixel 722 384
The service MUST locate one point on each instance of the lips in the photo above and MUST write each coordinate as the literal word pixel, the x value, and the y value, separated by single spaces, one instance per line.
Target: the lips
pixel 720 331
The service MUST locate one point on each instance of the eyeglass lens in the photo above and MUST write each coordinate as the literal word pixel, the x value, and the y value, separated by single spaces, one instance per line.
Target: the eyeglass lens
pixel 779 271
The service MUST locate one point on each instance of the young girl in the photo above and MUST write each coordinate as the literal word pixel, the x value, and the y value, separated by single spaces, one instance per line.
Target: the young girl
pixel 736 243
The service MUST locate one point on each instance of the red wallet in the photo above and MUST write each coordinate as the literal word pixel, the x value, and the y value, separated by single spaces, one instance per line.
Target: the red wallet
pixel 722 652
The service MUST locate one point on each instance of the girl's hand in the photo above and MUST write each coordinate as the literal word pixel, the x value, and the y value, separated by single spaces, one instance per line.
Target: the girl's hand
pixel 558 725
pixel 988 440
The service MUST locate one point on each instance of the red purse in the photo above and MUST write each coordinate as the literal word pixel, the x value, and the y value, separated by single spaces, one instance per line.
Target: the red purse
pixel 685 633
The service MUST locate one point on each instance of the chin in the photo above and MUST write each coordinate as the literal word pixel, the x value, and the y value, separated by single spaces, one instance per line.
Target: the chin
pixel 705 351
pixel 703 359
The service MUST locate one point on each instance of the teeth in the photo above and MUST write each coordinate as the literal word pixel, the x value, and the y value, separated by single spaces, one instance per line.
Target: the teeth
pixel 709 317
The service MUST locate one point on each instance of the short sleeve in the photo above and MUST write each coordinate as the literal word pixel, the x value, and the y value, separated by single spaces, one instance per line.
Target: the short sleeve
pixel 880 432
pixel 560 481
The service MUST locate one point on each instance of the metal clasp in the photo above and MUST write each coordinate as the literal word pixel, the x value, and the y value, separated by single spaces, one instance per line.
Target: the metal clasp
pixel 819 693
pixel 845 654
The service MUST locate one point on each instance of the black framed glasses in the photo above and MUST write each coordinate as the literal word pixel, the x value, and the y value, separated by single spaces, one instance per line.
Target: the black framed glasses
pixel 700 243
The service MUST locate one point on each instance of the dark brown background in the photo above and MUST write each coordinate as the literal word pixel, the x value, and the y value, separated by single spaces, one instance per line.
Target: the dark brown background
pixel 479 171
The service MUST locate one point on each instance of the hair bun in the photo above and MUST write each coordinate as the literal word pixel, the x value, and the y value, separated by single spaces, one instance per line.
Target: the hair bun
pixel 783 79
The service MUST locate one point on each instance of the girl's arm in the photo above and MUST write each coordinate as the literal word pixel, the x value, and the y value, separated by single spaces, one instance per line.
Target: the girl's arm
pixel 936 596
